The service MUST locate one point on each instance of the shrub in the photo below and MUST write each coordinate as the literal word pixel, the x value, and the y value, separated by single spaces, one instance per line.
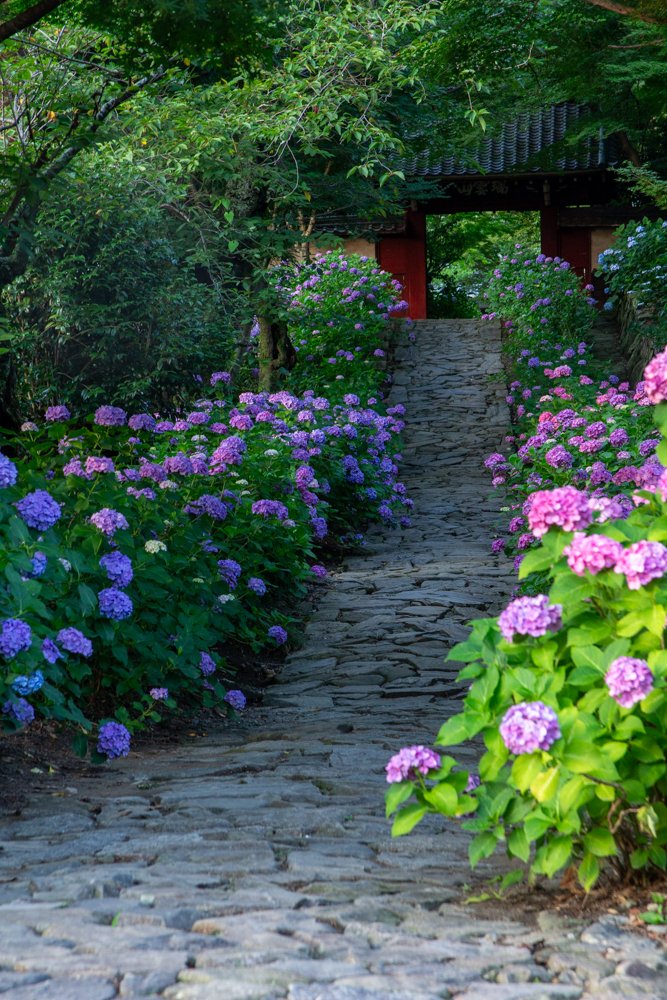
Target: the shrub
pixel 639 269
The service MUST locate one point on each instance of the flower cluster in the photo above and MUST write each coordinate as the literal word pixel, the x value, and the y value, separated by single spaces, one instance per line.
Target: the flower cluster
pixel 528 727
pixel 410 762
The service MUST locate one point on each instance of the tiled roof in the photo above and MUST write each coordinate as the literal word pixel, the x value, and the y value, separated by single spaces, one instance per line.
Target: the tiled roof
pixel 524 144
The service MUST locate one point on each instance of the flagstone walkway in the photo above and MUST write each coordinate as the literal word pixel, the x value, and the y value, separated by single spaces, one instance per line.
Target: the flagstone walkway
pixel 258 864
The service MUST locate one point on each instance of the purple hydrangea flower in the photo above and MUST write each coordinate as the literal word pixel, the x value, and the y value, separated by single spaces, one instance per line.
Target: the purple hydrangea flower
pixel 154 471
pixel 98 463
pixel 319 571
pixel 230 571
pixel 304 475
pixel 39 510
pixel 179 464
pixel 473 782
pixel 206 664
pixel 270 508
pixel 558 457
pixel 57 414
pixel 142 422
pixel 118 568
pixel 28 685
pixel 530 616
pixel 110 416
pixel 278 633
pixel 114 604
pixel 629 680
pixel 39 564
pixel 108 521
pixel 618 437
pixel 647 447
pixel 220 377
pixel 254 583
pixel 20 710
pixel 410 762
pixel 236 699
pixel 565 507
pixel 146 492
pixel 159 694
pixel 8 472
pixel 16 635
pixel 497 545
pixel 528 727
pixel 74 641
pixel 50 651
pixel 113 740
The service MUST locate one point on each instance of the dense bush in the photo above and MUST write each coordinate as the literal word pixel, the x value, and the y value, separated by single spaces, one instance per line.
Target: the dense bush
pixel 133 548
pixel 639 269
pixel 568 683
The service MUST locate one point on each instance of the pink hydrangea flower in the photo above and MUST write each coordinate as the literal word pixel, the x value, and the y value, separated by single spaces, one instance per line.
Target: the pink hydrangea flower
pixel 642 562
pixel 530 616
pixel 411 761
pixel 565 507
pixel 655 378
pixel 629 680
pixel 528 727
pixel 592 552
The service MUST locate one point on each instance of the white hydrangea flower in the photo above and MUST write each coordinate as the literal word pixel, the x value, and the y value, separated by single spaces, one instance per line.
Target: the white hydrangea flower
pixel 199 437
pixel 154 545
pixel 168 484
pixel 225 598
pixel 241 482
pixel 66 564
pixel 270 452
pixel 197 579
pixel 245 493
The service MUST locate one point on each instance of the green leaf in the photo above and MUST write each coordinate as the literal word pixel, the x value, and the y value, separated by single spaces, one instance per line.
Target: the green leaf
pixel 443 797
pixel 570 795
pixel 511 878
pixel 482 846
pixel 97 758
pixel 638 859
pixel 588 635
pixel 525 769
pixel 569 589
pixel 397 794
pixel 535 562
pixel 80 745
pixel 453 731
pixel 647 750
pixel 407 818
pixel 545 785
pixel 589 656
pixel 491 763
pixel 88 599
pixel 557 855
pixel 600 842
pixel 518 845
pixel 589 869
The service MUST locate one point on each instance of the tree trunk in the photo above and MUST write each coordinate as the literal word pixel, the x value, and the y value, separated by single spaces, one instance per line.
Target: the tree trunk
pixel 241 348
pixel 276 351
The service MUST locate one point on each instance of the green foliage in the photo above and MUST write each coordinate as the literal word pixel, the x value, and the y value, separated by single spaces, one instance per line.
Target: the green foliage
pixel 637 266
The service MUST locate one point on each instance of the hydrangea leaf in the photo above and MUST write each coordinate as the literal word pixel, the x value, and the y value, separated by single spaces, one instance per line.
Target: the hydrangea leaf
pixel 482 846
pixel 589 870
pixel 518 845
pixel 407 818
pixel 396 795
pixel 545 785
pixel 525 769
pixel 600 842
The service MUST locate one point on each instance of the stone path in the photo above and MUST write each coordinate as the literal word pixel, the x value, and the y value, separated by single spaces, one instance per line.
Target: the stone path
pixel 260 865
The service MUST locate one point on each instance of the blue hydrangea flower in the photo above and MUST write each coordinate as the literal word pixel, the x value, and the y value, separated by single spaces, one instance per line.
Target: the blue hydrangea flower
pixel 254 583
pixel 39 564
pixel 278 633
pixel 118 567
pixel 20 710
pixel 39 510
pixel 236 699
pixel 114 604
pixel 16 635
pixel 50 651
pixel 28 685
pixel 8 472
pixel 113 739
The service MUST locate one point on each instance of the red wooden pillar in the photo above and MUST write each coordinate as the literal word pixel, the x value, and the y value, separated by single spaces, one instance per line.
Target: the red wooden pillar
pixel 549 231
pixel 404 257
pixel 574 246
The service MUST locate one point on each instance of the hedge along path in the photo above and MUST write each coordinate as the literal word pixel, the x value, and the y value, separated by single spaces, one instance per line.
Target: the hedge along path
pixel 261 865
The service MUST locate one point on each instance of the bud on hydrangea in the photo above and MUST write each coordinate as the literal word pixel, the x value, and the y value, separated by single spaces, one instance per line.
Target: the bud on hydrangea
pixel 592 552
pixel 410 762
pixel 642 562
pixel 629 680
pixel 530 616
pixel 113 740
pixel 528 727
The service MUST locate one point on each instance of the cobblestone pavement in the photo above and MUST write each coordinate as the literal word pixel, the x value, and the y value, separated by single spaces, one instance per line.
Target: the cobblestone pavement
pixel 259 864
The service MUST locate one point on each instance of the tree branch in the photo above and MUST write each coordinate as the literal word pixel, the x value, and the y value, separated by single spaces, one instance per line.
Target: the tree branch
pixel 620 8
pixel 28 17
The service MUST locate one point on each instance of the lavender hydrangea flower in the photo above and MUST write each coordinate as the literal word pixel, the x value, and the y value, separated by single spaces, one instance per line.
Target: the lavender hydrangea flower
pixel 28 685
pixel 159 694
pixel 642 562
pixel 152 470
pixel 528 727
pixel 179 464
pixel 16 635
pixel 236 699
pixel 98 463
pixel 206 664
pixel 629 680
pixel 497 545
pixel 254 583
pixel 270 508
pixel 75 641
pixel 57 414
pixel 224 377
pixel 39 564
pixel 108 521
pixel 110 416
pixel 319 571
pixel 114 604
pixel 142 422
pixel 113 740
pixel 118 568
pixel 592 552
pixel 8 472
pixel 618 437
pixel 559 457
pixel 196 418
pixel 410 762
pixel 278 633
pixel 473 782
pixel 530 616
pixel 50 651
pixel 230 571
pixel 39 510
pixel 21 710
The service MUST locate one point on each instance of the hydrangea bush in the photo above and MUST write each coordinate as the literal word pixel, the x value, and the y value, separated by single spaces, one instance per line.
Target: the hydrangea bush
pixel 133 546
pixel 637 265
pixel 568 684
